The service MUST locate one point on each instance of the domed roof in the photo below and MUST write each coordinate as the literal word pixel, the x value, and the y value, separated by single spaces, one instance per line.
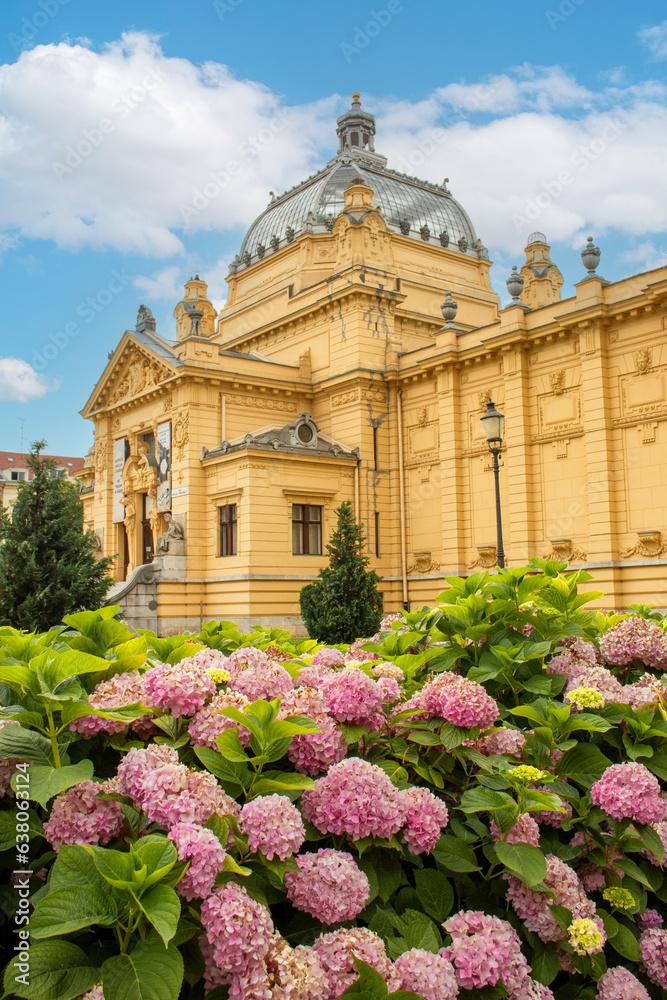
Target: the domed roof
pixel 415 208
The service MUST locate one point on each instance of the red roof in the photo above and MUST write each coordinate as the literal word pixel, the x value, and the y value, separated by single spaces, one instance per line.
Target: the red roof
pixel 16 460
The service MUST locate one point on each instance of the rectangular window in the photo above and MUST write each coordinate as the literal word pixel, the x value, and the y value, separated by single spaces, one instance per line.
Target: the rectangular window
pixel 228 521
pixel 375 448
pixel 306 530
pixel 17 475
pixel 377 534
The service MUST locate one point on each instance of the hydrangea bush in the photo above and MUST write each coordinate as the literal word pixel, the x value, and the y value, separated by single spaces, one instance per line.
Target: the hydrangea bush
pixel 470 803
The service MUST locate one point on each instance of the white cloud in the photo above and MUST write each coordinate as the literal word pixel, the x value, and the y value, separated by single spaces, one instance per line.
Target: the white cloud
pixel 647 255
pixel 19 382
pixel 110 149
pixel 131 149
pixel 655 39
pixel 164 284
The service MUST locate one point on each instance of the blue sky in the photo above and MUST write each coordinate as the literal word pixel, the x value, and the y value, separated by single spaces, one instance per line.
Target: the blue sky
pixel 504 100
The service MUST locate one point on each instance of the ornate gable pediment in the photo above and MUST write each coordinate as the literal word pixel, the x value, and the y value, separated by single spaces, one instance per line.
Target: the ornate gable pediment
pixel 135 371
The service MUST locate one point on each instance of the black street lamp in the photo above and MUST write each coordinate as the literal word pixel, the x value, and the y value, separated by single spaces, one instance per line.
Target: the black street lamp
pixel 493 421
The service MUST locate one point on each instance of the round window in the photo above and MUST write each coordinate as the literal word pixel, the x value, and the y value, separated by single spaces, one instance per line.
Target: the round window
pixel 305 434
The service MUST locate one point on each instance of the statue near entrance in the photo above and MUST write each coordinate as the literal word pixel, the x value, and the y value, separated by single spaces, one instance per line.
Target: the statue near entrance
pixel 174 533
pixel 130 523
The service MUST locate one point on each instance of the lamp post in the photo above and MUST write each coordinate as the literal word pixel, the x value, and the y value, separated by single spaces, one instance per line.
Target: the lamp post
pixel 493 421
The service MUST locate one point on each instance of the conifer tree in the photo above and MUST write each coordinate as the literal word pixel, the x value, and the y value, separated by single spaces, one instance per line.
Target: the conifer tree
pixel 47 563
pixel 344 604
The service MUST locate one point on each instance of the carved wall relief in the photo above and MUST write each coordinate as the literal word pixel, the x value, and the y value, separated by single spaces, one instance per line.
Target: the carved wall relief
pixel 649 545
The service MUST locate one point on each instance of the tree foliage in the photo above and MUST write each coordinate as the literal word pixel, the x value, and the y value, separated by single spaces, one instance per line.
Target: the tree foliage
pixel 344 603
pixel 48 565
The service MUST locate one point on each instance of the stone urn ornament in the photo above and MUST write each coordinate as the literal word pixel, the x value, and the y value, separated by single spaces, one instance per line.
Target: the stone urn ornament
pixel 590 256
pixel 449 309
pixel 515 286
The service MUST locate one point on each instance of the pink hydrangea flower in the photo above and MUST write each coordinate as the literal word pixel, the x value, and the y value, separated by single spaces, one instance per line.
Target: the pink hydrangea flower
pixel 431 976
pixel 503 741
pixel 356 654
pixel 79 817
pixel 266 680
pixel 389 619
pixel 137 762
pixel 294 973
pixel 328 658
pixel 601 680
pixel 620 984
pixel 485 950
pixel 389 670
pixel 329 885
pixel 315 753
pixel 629 791
pixel 303 700
pixel 94 994
pixel 425 817
pixel 169 792
pixel 237 928
pixel 116 692
pixel 552 817
pixel 207 724
pixel 206 856
pixel 524 831
pixel 533 906
pixel 353 697
pixel 180 688
pixel 355 798
pixel 209 659
pixel 635 639
pixel 648 690
pixel 336 952
pixel 649 918
pixel 461 702
pixel 574 659
pixel 273 826
pixel 314 676
pixel 653 948
pixel 391 693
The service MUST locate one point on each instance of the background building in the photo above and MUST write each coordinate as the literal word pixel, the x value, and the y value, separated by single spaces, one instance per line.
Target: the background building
pixel 14 470
pixel 221 454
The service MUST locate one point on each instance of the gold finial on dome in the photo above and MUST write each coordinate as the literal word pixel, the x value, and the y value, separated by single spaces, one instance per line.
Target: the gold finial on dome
pixel 356 97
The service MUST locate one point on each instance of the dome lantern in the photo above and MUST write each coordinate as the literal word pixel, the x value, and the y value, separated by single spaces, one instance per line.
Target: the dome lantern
pixel 356 128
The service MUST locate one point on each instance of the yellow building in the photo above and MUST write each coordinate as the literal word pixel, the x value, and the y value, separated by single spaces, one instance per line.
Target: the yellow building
pixel 330 375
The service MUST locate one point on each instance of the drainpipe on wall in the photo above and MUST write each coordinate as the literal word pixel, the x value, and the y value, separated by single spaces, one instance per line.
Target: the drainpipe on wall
pixel 401 496
pixel 357 511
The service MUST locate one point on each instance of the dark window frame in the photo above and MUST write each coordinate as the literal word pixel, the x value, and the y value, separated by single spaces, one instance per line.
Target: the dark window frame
pixel 227 530
pixel 305 523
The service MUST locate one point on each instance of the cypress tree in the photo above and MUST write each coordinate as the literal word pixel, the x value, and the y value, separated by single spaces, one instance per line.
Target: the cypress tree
pixel 343 604
pixel 48 566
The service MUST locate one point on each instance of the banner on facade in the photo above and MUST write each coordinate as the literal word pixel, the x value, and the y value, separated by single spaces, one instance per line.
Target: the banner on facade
pixel 163 448
pixel 118 485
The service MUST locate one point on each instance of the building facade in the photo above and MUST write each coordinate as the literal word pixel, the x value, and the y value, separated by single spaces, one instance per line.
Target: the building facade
pixel 14 470
pixel 222 452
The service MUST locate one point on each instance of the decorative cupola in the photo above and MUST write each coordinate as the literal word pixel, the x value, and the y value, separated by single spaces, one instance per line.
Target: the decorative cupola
pixel 195 314
pixel 356 128
pixel 542 279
